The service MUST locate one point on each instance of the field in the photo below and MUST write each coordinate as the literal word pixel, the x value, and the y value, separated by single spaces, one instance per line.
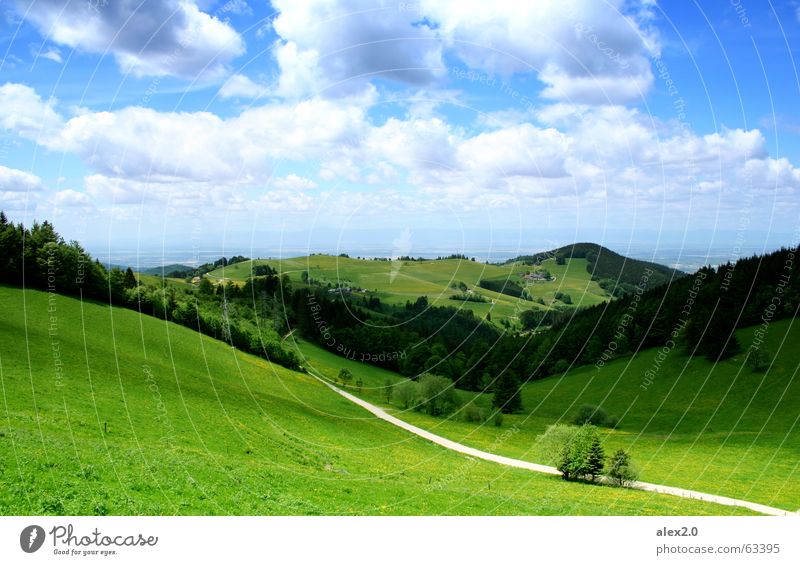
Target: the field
pixel 721 428
pixel 396 282
pixel 105 411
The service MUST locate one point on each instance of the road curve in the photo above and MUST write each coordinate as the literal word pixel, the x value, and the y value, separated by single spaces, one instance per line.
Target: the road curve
pixel 518 463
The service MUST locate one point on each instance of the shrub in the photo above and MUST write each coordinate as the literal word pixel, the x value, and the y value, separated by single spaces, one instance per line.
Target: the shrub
pixel 549 445
pixel 590 414
pixel 407 394
pixel 620 470
pixel 497 419
pixel 757 359
pixel 472 413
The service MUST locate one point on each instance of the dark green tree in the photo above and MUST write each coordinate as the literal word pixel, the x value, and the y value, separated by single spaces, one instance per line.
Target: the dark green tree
pixel 345 376
pixel 506 396
pixel 595 459
pixel 620 470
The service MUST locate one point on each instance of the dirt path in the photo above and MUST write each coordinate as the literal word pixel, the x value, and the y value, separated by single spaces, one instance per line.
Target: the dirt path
pixel 518 463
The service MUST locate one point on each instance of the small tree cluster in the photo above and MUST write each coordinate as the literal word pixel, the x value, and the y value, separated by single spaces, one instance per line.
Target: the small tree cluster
pixel 345 376
pixel 582 456
pixel 433 394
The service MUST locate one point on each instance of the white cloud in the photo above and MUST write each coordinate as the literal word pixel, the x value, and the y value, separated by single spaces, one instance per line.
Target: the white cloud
pixel 23 111
pixel 170 37
pixel 51 55
pixel 583 50
pixel 566 155
pixel 13 180
pixel 240 86
pixel 71 199
pixel 141 143
pixel 294 182
pixel 335 47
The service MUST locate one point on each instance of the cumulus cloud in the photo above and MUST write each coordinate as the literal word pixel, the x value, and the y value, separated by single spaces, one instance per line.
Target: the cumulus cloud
pixel 335 47
pixel 170 37
pixel 240 86
pixel 582 50
pixel 563 155
pixel 51 55
pixel 13 180
pixel 23 111
pixel 144 144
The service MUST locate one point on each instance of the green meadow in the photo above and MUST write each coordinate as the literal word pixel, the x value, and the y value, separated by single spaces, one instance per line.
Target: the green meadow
pixel 105 411
pixel 396 282
pixel 718 428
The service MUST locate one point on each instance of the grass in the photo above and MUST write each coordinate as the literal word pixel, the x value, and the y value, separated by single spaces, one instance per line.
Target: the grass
pixel 718 428
pixel 105 411
pixel 396 282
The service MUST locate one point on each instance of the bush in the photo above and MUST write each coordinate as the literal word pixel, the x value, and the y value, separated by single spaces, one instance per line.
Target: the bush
pixel 472 413
pixel 757 359
pixel 497 419
pixel 621 471
pixel 406 394
pixel 563 297
pixel 549 445
pixel 590 414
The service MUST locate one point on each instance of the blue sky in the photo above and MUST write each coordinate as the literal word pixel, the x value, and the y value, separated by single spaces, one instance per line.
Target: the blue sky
pixel 240 123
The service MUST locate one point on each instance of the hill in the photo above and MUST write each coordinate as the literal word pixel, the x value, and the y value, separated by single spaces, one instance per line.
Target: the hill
pixel 168 270
pixel 607 267
pixel 106 411
pixel 444 282
pixel 716 427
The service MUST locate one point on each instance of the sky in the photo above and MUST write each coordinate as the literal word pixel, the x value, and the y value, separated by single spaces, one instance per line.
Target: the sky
pixel 339 125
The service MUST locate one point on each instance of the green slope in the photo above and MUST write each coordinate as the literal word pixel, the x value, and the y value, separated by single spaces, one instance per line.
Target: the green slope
pixel 603 263
pixel 396 282
pixel 108 412
pixel 718 428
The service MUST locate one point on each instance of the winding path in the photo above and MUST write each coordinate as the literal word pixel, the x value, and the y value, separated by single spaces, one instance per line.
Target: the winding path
pixel 520 464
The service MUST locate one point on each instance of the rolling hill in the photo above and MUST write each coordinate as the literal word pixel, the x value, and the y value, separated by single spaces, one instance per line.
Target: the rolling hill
pixel 442 281
pixel 106 411
pixel 716 427
pixel 605 264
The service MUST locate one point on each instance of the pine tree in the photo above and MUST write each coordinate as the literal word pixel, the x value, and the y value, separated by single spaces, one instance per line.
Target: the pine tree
pixel 130 279
pixel 595 459
pixel 621 471
pixel 506 393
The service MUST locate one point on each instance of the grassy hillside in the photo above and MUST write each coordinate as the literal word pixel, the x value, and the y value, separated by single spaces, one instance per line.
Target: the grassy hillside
pixel 105 411
pixel 719 428
pixel 396 282
pixel 603 263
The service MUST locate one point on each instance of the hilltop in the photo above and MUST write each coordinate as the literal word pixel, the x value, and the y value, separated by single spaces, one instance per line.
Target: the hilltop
pixel 551 282
pixel 608 267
